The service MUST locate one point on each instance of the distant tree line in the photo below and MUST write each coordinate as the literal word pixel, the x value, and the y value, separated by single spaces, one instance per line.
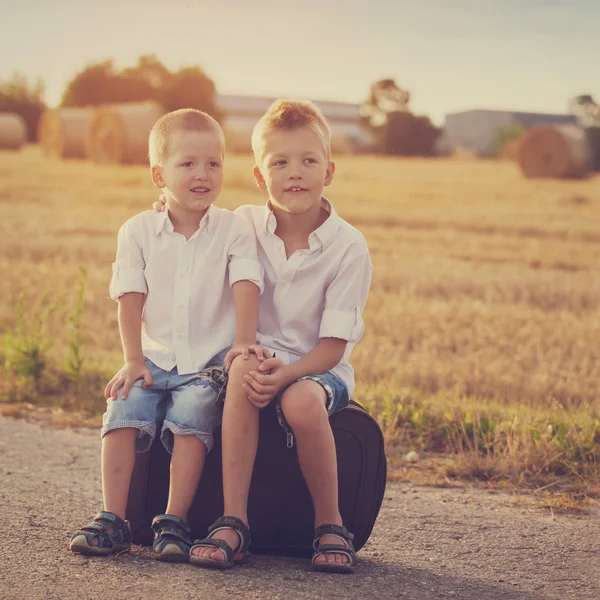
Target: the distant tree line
pixel 102 83
pixel 385 111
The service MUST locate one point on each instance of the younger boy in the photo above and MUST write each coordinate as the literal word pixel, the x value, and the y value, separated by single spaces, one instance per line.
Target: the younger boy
pixel 317 278
pixel 187 281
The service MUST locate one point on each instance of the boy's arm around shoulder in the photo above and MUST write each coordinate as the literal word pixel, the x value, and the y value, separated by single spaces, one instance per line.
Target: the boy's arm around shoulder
pixel 342 321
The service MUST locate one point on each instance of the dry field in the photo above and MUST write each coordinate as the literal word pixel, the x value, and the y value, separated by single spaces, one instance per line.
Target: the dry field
pixel 482 328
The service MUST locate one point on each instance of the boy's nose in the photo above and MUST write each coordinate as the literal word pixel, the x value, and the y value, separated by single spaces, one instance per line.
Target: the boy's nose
pixel 295 172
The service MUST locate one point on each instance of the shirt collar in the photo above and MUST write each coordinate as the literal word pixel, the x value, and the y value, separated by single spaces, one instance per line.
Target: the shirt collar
pixel 209 220
pixel 322 236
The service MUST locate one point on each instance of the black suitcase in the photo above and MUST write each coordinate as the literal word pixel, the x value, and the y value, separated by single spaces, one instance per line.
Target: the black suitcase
pixel 280 508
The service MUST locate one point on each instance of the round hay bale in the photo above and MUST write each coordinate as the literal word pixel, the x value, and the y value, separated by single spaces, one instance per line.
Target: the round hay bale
pixel 62 132
pixel 119 133
pixel 557 152
pixel 13 131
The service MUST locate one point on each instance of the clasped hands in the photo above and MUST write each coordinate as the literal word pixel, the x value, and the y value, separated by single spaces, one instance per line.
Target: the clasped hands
pixel 262 384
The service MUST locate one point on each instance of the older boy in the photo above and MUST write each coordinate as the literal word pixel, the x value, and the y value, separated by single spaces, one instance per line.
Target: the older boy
pixel 187 281
pixel 317 278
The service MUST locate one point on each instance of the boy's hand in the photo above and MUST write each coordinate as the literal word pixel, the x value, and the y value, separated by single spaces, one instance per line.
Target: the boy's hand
pixel 130 372
pixel 160 204
pixel 261 387
pixel 245 351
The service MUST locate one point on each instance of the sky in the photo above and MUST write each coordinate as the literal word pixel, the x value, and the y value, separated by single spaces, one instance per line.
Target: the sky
pixel 452 55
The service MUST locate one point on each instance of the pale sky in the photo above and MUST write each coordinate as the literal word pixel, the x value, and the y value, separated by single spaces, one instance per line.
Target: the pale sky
pixel 451 54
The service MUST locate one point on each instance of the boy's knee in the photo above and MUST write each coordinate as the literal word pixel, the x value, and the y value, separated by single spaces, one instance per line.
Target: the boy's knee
pixel 303 404
pixel 240 366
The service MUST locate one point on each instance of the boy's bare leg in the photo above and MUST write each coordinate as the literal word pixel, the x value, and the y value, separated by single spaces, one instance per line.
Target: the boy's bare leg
pixel 118 458
pixel 303 405
pixel 187 463
pixel 239 443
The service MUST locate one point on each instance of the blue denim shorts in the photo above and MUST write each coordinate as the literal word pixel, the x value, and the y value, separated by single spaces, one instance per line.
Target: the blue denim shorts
pixel 335 390
pixel 189 404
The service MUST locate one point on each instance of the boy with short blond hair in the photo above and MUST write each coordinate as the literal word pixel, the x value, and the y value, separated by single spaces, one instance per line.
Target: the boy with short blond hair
pixel 187 281
pixel 317 277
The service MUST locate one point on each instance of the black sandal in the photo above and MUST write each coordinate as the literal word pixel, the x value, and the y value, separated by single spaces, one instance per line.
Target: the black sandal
pixel 232 557
pixel 119 540
pixel 172 538
pixel 346 548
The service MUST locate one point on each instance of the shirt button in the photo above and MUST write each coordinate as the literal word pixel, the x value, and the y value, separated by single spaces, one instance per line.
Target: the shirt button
pixel 278 246
pixel 282 282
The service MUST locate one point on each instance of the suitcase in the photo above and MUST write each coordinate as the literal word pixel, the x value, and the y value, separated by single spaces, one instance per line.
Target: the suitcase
pixel 280 509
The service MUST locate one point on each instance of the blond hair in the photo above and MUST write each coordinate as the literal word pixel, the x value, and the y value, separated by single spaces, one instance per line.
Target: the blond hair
pixel 290 114
pixel 185 119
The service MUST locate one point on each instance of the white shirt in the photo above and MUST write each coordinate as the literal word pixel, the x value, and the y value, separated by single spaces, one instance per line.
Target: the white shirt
pixel 316 293
pixel 189 315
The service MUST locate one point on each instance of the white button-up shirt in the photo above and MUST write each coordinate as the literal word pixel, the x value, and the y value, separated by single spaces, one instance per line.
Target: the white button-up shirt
pixel 189 315
pixel 317 293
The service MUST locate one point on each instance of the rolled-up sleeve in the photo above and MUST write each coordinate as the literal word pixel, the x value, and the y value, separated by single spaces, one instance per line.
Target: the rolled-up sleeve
pixel 243 257
pixel 345 300
pixel 128 268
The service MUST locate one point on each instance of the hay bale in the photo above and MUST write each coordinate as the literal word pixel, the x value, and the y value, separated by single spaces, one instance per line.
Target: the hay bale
pixel 62 131
pixel 119 133
pixel 13 131
pixel 559 152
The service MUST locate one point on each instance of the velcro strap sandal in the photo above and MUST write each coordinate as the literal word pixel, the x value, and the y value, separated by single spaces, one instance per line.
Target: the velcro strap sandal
pixel 346 548
pixel 232 556
pixel 107 534
pixel 172 538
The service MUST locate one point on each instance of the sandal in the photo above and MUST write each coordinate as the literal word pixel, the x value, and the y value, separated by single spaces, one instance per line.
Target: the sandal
pixel 347 548
pixel 109 542
pixel 232 557
pixel 172 538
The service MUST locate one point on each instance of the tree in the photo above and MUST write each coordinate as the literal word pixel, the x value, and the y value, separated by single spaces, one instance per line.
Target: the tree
pixel 100 84
pixel 385 97
pixel 190 87
pixel 398 131
pixel 149 79
pixel 19 96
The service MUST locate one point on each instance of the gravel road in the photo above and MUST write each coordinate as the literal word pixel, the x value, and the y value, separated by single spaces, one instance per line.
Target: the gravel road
pixel 427 543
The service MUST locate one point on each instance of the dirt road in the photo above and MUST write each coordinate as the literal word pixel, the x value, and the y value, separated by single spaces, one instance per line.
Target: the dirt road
pixel 428 542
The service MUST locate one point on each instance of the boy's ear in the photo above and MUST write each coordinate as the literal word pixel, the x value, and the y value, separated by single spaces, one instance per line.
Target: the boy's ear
pixel 260 180
pixel 329 172
pixel 157 178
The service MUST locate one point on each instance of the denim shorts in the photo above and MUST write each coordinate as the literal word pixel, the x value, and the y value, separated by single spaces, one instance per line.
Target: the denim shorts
pixel 335 390
pixel 189 404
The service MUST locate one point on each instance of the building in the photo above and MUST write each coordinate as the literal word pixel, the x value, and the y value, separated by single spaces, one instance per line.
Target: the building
pixel 242 113
pixel 478 131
